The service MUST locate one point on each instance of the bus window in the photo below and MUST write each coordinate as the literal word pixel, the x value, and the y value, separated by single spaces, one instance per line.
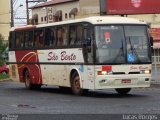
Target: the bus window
pixel 72 35
pixel 65 35
pixel 39 38
pixel 59 36
pixel 30 40
pixel 26 37
pixel 19 40
pixel 49 37
pixel 79 35
pixel 11 40
pixel 62 36
pixel 88 45
pixel 76 35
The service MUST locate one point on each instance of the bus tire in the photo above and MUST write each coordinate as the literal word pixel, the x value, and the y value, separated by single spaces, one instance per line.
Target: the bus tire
pixel 28 83
pixel 123 91
pixel 27 80
pixel 75 85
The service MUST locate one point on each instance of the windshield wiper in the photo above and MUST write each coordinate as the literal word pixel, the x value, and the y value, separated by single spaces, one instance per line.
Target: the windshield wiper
pixel 120 53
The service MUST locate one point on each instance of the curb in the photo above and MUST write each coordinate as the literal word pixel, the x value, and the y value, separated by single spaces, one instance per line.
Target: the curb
pixel 4 80
pixel 155 85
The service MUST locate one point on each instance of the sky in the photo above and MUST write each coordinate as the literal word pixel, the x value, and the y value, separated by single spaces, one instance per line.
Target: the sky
pixel 20 12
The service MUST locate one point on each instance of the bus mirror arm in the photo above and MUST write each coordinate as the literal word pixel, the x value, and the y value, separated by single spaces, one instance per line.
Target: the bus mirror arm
pixel 151 41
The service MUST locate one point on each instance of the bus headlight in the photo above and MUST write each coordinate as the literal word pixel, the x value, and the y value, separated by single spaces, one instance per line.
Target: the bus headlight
pixel 145 72
pixel 104 73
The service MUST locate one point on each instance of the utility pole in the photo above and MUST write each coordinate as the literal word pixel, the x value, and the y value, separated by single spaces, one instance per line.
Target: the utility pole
pixel 12 16
pixel 27 12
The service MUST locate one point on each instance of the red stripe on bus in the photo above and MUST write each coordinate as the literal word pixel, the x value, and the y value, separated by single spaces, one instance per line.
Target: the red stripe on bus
pixel 25 28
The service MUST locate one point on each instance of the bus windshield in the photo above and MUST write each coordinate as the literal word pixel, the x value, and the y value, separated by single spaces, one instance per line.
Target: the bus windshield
pixel 120 44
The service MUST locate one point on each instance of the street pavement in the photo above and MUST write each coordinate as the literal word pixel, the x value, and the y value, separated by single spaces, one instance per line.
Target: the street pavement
pixel 15 99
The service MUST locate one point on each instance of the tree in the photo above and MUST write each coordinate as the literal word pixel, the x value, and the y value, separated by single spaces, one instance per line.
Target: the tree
pixel 2 49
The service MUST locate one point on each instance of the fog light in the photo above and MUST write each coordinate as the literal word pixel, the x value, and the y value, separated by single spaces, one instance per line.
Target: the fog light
pixel 146 79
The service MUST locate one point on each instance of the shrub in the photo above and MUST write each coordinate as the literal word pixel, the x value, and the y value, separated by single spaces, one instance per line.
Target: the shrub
pixel 2 49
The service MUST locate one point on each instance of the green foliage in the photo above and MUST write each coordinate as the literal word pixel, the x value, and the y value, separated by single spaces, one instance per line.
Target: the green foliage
pixel 2 49
pixel 4 76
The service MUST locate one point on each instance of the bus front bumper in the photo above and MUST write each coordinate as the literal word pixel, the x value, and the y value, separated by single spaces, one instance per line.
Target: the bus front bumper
pixel 122 81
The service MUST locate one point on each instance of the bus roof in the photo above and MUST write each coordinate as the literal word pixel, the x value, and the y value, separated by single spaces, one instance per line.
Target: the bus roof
pixel 92 20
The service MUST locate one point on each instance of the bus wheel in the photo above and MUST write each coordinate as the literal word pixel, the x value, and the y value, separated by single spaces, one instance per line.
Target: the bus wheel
pixel 28 83
pixel 27 80
pixel 75 84
pixel 123 91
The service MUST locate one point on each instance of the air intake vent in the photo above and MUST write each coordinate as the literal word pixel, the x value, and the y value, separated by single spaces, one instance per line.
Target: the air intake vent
pixel 134 73
pixel 118 73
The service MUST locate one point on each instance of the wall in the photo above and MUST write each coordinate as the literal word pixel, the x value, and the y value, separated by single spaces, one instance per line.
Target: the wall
pixel 88 8
pixel 5 18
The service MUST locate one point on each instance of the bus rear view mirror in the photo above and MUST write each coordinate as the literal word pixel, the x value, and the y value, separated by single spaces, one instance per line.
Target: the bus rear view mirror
pixel 151 41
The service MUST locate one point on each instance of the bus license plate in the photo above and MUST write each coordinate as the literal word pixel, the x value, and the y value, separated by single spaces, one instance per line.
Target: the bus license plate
pixel 126 81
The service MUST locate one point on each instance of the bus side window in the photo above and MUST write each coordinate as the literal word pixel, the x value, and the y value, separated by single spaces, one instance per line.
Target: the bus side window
pixel 72 35
pixel 30 40
pixel 79 35
pixel 62 36
pixel 39 38
pixel 65 35
pixel 11 40
pixel 19 40
pixel 88 45
pixel 50 38
pixel 26 37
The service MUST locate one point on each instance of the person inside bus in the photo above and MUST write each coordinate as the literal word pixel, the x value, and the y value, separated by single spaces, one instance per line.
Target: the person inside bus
pixel 72 36
pixel 39 39
pixel 60 37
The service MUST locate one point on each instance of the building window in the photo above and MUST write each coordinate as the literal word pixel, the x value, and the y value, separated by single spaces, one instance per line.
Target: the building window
pixel 45 18
pixel 41 19
pixel 66 15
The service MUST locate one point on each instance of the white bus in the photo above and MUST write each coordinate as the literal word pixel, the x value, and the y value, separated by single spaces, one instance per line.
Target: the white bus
pixel 90 53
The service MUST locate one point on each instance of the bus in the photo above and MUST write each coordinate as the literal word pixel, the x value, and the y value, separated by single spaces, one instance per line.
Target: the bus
pixel 94 53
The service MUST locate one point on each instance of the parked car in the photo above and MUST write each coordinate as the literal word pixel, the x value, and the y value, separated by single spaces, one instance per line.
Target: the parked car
pixel 4 69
